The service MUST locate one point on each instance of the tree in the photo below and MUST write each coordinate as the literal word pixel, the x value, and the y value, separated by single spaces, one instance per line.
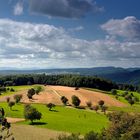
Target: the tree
pixel 30 93
pixel 64 100
pixel 124 126
pixel 75 101
pixel 11 104
pixel 50 106
pixel 17 98
pixel 31 113
pixel 101 103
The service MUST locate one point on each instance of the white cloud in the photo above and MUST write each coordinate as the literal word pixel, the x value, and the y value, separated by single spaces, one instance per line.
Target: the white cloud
pixel 42 45
pixel 128 27
pixel 18 8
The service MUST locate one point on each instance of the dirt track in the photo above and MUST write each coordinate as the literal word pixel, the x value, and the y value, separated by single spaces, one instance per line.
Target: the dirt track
pixel 53 94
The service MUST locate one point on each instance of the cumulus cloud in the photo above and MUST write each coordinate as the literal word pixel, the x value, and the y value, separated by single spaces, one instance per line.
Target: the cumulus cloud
pixel 128 27
pixel 42 45
pixel 64 8
pixel 18 8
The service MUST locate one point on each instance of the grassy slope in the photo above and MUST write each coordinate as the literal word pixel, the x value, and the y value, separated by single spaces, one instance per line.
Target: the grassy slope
pixel 129 108
pixel 18 88
pixel 66 119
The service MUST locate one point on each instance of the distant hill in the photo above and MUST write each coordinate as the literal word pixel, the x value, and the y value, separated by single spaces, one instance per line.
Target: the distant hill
pixel 116 74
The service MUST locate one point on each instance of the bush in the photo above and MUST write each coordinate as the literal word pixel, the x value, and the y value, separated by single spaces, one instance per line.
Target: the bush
pixel 11 104
pixel 76 88
pixel 38 89
pixel 7 99
pixel 30 93
pixel 75 101
pixel 131 102
pixel 89 104
pixel 125 93
pixel 17 98
pixel 136 99
pixel 50 106
pixel 70 137
pixel 128 97
pixel 114 91
pixel 31 113
pixel 96 108
pixel 12 90
pixel 104 108
pixel 64 100
pixel 91 136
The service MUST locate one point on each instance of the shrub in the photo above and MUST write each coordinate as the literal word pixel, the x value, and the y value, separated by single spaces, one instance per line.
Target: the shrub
pixel 76 88
pixel 12 90
pixel 114 91
pixel 64 100
pixel 136 99
pixel 96 108
pixel 30 93
pixel 104 108
pixel 17 98
pixel 125 93
pixel 91 136
pixel 11 104
pixel 89 104
pixel 131 102
pixel 50 106
pixel 38 89
pixel 70 137
pixel 31 113
pixel 128 97
pixel 7 99
pixel 75 101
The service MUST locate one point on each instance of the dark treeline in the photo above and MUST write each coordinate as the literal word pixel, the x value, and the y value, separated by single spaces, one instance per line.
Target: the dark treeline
pixel 65 80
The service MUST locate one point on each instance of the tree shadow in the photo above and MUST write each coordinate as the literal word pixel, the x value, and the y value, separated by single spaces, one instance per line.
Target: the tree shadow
pixel 54 110
pixel 38 123
pixel 14 110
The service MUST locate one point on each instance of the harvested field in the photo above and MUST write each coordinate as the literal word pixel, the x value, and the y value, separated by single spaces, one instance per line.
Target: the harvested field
pixel 53 94
pixel 86 95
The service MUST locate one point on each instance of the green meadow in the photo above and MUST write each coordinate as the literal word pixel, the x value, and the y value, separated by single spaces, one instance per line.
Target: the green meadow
pixel 62 118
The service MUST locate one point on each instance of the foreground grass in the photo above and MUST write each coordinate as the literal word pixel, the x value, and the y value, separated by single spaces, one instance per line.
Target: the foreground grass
pixel 63 118
pixel 28 132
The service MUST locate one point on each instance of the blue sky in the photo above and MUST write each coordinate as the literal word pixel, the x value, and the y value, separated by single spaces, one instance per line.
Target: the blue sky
pixel 69 33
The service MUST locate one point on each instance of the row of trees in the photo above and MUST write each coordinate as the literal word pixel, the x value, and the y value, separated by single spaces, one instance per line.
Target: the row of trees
pixel 130 97
pixel 65 80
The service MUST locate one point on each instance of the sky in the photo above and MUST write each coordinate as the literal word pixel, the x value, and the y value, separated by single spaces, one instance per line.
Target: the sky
pixel 69 33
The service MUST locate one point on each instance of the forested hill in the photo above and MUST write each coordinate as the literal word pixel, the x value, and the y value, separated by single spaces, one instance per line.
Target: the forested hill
pixel 119 75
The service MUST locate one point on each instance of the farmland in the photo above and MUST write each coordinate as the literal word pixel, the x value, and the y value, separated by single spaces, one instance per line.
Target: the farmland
pixel 63 119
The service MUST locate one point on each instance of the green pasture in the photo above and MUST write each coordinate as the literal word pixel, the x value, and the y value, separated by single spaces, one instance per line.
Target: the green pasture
pixel 62 118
